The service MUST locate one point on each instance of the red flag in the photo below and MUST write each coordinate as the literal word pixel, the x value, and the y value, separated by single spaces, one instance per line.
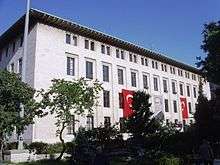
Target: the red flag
pixel 184 108
pixel 127 97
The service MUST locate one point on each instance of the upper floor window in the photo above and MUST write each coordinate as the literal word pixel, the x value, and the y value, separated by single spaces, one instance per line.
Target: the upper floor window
pixel 106 98
pixel 145 81
pixel 20 66
pixel 105 73
pixel 190 107
pixel 174 87
pixel 134 79
pixel 89 69
pixel 120 76
pixel 120 54
pixel 165 86
pixel 175 106
pixel 68 38
pixel 156 86
pixel 132 58
pixel 108 50
pixel 164 67
pixel 194 92
pixel 181 89
pixel 70 66
pixel 13 46
pixel 103 49
pixel 90 122
pixel 86 44
pixel 144 61
pixel 188 90
pixel 92 45
pixel 71 125
pixel 166 105
pixel 74 40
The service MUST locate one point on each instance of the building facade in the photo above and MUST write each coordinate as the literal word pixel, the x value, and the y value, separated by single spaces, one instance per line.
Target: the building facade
pixel 61 49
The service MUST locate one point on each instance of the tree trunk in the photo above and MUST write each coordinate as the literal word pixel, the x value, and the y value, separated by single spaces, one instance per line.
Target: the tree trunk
pixel 1 149
pixel 62 141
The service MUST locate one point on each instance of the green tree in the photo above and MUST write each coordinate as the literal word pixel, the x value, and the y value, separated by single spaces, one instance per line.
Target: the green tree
pixel 13 93
pixel 211 45
pixel 140 124
pixel 66 96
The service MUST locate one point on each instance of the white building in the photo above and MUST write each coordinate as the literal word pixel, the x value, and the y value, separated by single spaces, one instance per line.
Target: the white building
pixel 58 48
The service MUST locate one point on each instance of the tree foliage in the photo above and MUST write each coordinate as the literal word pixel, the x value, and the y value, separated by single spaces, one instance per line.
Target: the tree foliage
pixel 140 124
pixel 13 94
pixel 65 98
pixel 211 45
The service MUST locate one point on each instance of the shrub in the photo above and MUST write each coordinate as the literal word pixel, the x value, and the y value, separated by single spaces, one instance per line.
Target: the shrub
pixel 54 148
pixel 165 160
pixel 40 147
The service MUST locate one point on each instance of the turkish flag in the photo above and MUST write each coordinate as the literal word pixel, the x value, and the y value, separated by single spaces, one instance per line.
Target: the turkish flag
pixel 127 98
pixel 184 109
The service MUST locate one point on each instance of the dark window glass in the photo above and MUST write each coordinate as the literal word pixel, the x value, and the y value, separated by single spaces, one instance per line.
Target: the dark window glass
pixel 103 49
pixel 181 89
pixel 165 88
pixel 135 59
pixel 194 92
pixel 146 62
pixel 70 66
pixel 117 53
pixel 74 40
pixel 190 107
pixel 152 64
pixel 90 122
pixel 13 47
pixel 120 77
pixel 68 38
pixel 142 61
pixel 166 105
pixel 155 83
pixel 89 70
pixel 145 81
pixel 133 79
pixel 130 57
pixel 121 103
pixel 92 45
pixel 174 106
pixel 188 91
pixel 156 66
pixel 122 55
pixel 71 125
pixel 86 44
pixel 106 98
pixel 108 50
pixel 21 41
pixel 107 121
pixel 105 73
pixel 174 87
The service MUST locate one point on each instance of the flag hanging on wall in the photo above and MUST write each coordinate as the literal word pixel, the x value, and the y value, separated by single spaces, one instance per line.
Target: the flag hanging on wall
pixel 127 99
pixel 184 108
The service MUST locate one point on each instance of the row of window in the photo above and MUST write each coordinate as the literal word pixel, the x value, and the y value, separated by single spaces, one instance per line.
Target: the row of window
pixel 89 44
pixel 175 109
pixel 134 78
pixel 19 67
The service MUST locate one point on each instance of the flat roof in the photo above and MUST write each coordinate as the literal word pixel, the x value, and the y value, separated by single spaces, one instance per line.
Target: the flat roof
pixel 43 17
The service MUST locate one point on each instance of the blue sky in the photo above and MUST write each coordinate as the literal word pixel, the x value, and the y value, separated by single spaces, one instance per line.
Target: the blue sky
pixel 172 27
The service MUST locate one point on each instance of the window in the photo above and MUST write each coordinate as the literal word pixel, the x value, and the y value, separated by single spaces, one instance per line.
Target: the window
pixel 122 54
pixel 145 82
pixel 105 73
pixel 188 91
pixel 165 88
pixel 12 68
pixel 174 87
pixel 121 103
pixel 6 52
pixel 174 106
pixel 20 66
pixel 146 62
pixel 130 57
pixel 166 105
pixel 142 61
pixel 103 49
pixel 135 59
pixel 90 122
pixel 108 50
pixel 181 89
pixel 89 70
pixel 156 66
pixel 68 38
pixel 74 40
pixel 190 107
pixel 21 41
pixel 155 84
pixel 117 53
pixel 194 92
pixel 13 47
pixel 152 64
pixel 106 98
pixel 133 79
pixel 70 66
pixel 71 125
pixel 120 77
pixel 107 121
pixel 122 125
pixel 86 44
pixel 92 45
